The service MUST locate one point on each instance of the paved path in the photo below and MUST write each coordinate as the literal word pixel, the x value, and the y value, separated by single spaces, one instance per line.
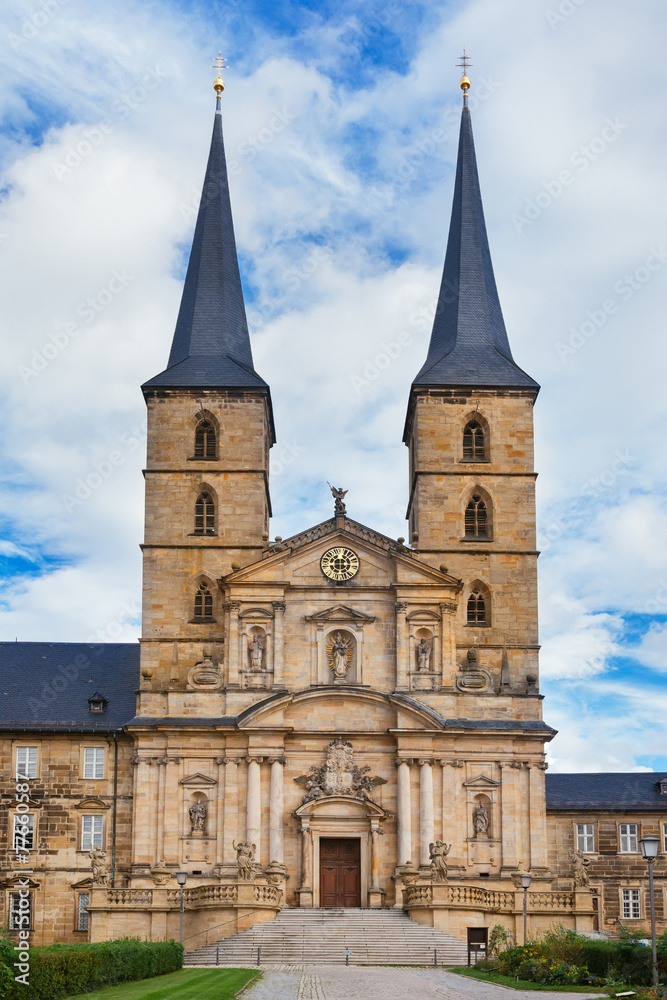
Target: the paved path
pixel 357 982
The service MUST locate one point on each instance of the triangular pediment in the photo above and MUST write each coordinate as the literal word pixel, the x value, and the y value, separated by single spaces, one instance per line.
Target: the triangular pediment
pixel 481 781
pixel 383 562
pixel 197 780
pixel 340 613
pixel 83 884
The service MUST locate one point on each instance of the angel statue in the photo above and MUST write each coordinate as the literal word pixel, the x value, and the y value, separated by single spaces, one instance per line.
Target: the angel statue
pixel 438 853
pixel 245 859
pixel 339 651
pixel 339 494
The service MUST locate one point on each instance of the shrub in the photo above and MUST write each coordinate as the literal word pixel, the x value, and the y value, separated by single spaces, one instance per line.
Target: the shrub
pixel 60 970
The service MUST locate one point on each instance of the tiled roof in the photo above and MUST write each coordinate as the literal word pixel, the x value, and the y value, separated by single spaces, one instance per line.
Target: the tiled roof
pixel 637 790
pixel 211 345
pixel 46 685
pixel 469 345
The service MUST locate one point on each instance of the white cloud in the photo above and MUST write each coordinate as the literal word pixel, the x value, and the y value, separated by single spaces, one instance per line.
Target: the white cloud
pixel 304 178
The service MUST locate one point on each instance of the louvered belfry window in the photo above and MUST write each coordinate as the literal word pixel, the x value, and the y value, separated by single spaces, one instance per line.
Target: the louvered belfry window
pixel 205 440
pixel 476 609
pixel 203 602
pixel 204 515
pixel 476 521
pixel 473 442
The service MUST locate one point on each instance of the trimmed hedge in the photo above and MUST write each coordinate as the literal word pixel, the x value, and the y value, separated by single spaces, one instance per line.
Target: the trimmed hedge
pixel 61 970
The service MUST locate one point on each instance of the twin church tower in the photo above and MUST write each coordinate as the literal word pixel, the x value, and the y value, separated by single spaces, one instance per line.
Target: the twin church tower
pixel 324 719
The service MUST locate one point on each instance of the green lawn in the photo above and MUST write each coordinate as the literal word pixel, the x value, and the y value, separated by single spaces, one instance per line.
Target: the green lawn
pixel 186 984
pixel 522 984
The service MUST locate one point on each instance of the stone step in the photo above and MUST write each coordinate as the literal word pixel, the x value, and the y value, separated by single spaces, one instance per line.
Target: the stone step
pixel 299 936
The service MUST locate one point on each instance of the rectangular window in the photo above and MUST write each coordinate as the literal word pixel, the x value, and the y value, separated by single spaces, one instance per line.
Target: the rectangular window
pixel 664 838
pixel 82 912
pixel 586 838
pixel 93 762
pixel 631 904
pixel 26 762
pixel 628 837
pixel 91 832
pixel 20 911
pixel 24 832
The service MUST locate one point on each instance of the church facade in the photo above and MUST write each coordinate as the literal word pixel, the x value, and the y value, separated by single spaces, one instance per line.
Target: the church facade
pixel 333 719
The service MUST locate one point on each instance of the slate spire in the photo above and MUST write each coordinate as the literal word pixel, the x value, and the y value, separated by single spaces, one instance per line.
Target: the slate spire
pixel 211 345
pixel 469 345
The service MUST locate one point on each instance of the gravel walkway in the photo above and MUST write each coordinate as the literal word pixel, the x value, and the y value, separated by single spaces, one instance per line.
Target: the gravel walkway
pixel 357 982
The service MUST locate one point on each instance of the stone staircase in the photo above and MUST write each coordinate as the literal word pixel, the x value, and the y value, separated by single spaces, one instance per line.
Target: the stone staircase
pixel 320 937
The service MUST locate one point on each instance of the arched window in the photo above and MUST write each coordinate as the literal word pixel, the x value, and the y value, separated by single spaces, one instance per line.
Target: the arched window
pixel 476 520
pixel 204 514
pixel 203 601
pixel 205 442
pixel 476 610
pixel 473 442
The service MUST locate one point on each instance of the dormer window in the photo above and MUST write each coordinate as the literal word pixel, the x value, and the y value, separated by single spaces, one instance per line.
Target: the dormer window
pixel 662 785
pixel 97 702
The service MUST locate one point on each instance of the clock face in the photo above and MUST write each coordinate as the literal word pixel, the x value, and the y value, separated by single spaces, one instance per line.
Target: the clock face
pixel 340 563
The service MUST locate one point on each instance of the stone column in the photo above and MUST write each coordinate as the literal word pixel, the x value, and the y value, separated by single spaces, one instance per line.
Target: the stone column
pixel 220 812
pixel 230 828
pixel 233 645
pixel 404 811
pixel 375 893
pixel 401 647
pixel 278 647
pixel 306 890
pixel 538 816
pixel 453 815
pixel 509 817
pixel 254 807
pixel 144 809
pixel 448 643
pixel 159 812
pixel 276 810
pixel 426 823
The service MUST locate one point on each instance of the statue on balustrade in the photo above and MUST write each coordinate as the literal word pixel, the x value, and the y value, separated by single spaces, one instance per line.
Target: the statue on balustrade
pixel 438 853
pixel 580 866
pixel 245 859
pixel 99 865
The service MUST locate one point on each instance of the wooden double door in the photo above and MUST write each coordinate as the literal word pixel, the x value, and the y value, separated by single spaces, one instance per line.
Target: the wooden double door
pixel 340 871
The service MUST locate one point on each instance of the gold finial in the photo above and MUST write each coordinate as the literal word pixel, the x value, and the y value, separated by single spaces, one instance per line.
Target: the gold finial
pixel 220 64
pixel 464 82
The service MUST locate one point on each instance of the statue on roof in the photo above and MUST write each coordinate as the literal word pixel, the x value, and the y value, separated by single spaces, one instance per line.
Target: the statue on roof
pixel 338 493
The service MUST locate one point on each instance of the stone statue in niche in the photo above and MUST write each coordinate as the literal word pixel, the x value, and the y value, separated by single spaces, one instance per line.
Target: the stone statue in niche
pixel 198 813
pixel 423 655
pixel 340 656
pixel 98 862
pixel 580 865
pixel 438 853
pixel 256 650
pixel 480 820
pixel 245 859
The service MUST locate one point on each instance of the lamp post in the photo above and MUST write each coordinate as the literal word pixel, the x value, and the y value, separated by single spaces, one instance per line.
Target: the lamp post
pixel 181 878
pixel 525 883
pixel 649 846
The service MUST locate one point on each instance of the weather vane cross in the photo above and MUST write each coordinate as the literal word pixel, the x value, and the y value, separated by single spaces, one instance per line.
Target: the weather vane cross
pixel 220 64
pixel 465 63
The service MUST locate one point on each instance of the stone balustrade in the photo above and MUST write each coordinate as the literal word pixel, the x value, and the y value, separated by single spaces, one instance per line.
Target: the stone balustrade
pixel 130 897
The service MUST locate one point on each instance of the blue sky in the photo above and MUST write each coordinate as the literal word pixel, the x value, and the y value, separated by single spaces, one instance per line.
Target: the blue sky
pixel 340 127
